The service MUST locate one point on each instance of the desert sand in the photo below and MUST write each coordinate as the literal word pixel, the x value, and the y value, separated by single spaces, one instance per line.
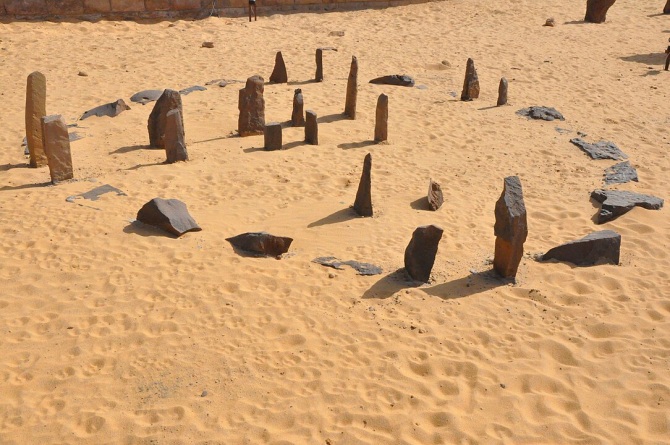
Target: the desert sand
pixel 113 333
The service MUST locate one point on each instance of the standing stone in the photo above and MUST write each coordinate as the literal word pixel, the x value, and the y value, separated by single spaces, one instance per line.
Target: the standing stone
pixel 298 117
pixel 311 129
pixel 252 108
pixel 666 10
pixel 363 203
pixel 382 118
pixel 36 109
pixel 175 144
pixel 169 100
pixel 471 83
pixel 596 10
pixel 279 72
pixel 319 65
pixel 502 92
pixel 57 148
pixel 435 197
pixel 272 136
pixel 511 228
pixel 352 89
pixel 420 252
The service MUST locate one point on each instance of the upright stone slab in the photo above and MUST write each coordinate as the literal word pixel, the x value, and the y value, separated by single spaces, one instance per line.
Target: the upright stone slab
pixel 175 144
pixel 666 9
pixel 502 92
pixel 596 10
pixel 311 129
pixel 169 100
pixel 511 228
pixel 36 109
pixel 272 136
pixel 352 89
pixel 298 116
pixel 252 107
pixel 57 148
pixel 471 83
pixel 601 247
pixel 382 118
pixel 435 196
pixel 420 252
pixel 319 65
pixel 279 74
pixel 363 203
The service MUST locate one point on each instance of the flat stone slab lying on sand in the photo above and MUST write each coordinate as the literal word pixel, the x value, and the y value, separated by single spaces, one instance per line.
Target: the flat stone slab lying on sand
pixel 261 243
pixel 600 150
pixel 601 247
pixel 189 90
pixel 400 80
pixel 169 215
pixel 146 96
pixel 360 268
pixel 111 109
pixel 544 113
pixel 614 203
pixel 223 82
pixel 94 194
pixel 620 173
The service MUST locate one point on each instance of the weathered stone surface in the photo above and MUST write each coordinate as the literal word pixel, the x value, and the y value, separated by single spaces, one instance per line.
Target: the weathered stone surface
pixel 382 118
pixel 57 148
pixel 175 144
pixel 298 116
pixel 279 74
pixel 207 45
pixel 502 92
pixel 111 109
pixel 596 10
pixel 311 128
pixel 620 173
pixel 363 203
pixel 471 83
pixel 352 90
pixel 272 136
pixel 360 268
pixel 600 150
pixel 400 80
pixel 511 228
pixel 189 90
pixel 420 252
pixel 435 196
pixel 26 7
pixel 94 194
pixel 169 100
pixel 318 76
pixel 170 215
pixel 94 6
pixel 262 243
pixel 614 203
pixel 543 113
pixel 145 96
pixel 36 109
pixel 252 108
pixel 596 248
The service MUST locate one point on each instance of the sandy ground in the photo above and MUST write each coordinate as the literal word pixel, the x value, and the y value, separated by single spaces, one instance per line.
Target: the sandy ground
pixel 111 333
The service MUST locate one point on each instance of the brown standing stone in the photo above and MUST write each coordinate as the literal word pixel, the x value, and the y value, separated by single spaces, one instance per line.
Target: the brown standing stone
pixel 319 65
pixel 57 148
pixel 352 89
pixel 511 228
pixel 298 116
pixel 311 129
pixel 169 100
pixel 175 144
pixel 279 72
pixel 666 10
pixel 471 83
pixel 596 10
pixel 36 100
pixel 435 197
pixel 363 203
pixel 272 135
pixel 252 108
pixel 502 92
pixel 420 252
pixel 382 118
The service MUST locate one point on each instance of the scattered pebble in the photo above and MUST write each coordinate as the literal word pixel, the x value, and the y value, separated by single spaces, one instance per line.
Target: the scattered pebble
pixel 82 74
pixel 204 393
pixel 208 44
pixel 550 22
pixel 336 33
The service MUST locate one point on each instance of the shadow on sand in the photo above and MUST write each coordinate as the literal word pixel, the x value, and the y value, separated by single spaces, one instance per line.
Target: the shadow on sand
pixel 337 217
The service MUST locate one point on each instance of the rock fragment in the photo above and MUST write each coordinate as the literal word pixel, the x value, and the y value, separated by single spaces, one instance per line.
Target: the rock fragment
pixel 57 148
pixel 261 243
pixel 420 252
pixel 272 136
pixel 601 247
pixel 502 92
pixel 111 109
pixel 435 197
pixel 620 173
pixel 600 150
pixel 541 113
pixel 252 108
pixel 363 203
pixel 401 80
pixel 175 144
pixel 170 215
pixel 614 203
pixel 471 82
pixel 169 100
pixel 361 268
pixel 311 128
pixel 298 116
pixel 511 228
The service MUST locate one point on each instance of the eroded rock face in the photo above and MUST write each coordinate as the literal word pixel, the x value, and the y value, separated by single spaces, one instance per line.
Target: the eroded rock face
pixel 352 90
pixel 471 83
pixel 261 243
pixel 111 109
pixel 279 74
pixel 273 136
pixel 615 203
pixel 382 118
pixel 36 109
pixel 169 100
pixel 600 150
pixel 175 144
pixel 435 197
pixel 57 148
pixel 511 228
pixel 319 65
pixel 400 80
pixel 170 215
pixel 596 10
pixel 502 92
pixel 311 128
pixel 363 203
pixel 420 252
pixel 298 116
pixel 252 107
pixel 541 113
pixel 620 173
pixel 601 247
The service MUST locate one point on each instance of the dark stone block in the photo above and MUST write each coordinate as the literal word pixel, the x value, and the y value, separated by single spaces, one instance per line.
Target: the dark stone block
pixel 382 118
pixel 363 203
pixel 543 113
pixel 400 80
pixel 175 143
pixel 169 100
pixel 273 136
pixel 352 90
pixel 600 150
pixel 471 83
pixel 261 243
pixel 298 116
pixel 502 92
pixel 615 203
pixel 420 252
pixel 620 173
pixel 279 74
pixel 311 128
pixel 598 247
pixel 169 215
pixel 111 109
pixel 596 10
pixel 511 228
pixel 318 76
pixel 252 107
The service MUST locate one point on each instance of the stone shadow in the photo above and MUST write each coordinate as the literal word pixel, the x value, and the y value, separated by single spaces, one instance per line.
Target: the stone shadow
pixel 337 217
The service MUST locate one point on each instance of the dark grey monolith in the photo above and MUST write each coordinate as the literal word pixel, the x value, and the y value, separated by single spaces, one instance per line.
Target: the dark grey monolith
pixel 169 100
pixel 57 148
pixel 382 118
pixel 175 143
pixel 298 116
pixel 511 228
pixel 311 128
pixel 252 107
pixel 36 109
pixel 420 252
pixel 363 203
pixel 352 89
pixel 272 136
pixel 319 65
pixel 279 72
pixel 471 83
pixel 502 92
